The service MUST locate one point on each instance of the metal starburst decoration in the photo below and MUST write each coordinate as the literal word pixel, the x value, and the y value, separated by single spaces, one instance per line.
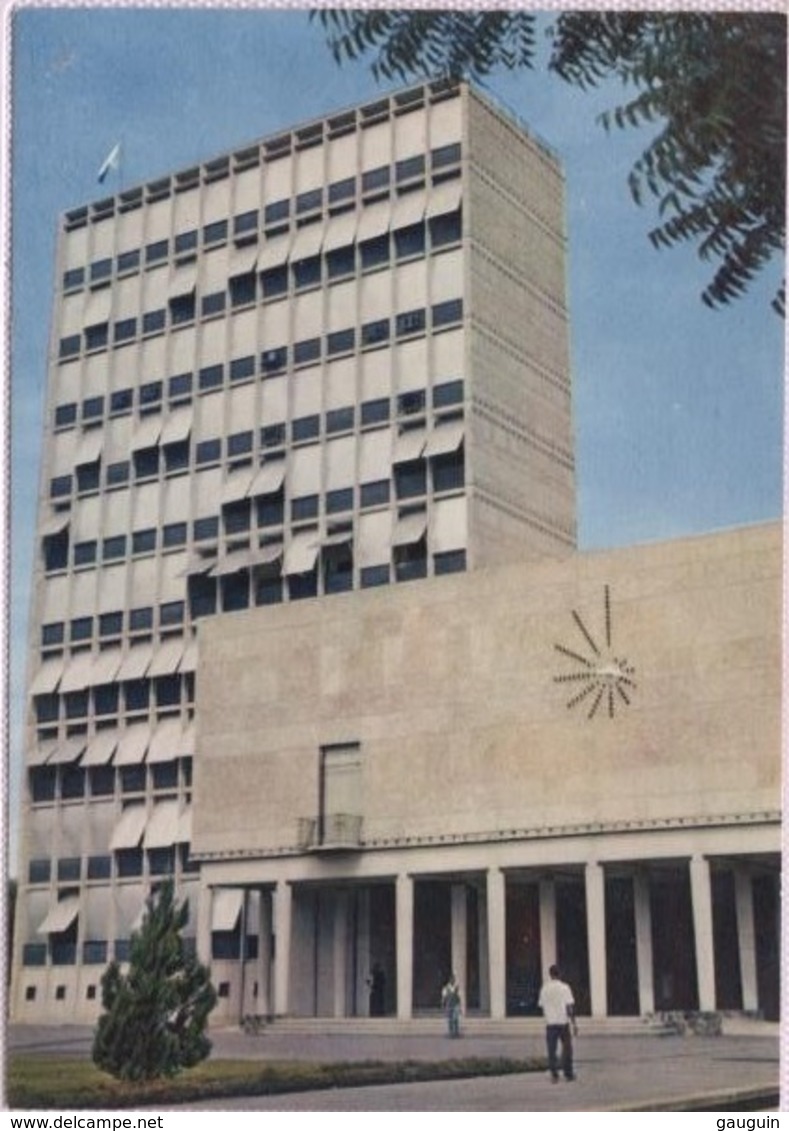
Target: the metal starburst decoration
pixel 599 678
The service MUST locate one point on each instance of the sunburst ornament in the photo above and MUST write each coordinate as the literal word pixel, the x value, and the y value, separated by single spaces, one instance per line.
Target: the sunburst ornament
pixel 601 678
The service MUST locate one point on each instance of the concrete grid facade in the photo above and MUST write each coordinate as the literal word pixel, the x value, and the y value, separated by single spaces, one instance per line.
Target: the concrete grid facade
pixel 332 360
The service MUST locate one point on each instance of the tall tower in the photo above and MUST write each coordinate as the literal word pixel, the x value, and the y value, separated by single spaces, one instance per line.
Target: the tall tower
pixel 333 359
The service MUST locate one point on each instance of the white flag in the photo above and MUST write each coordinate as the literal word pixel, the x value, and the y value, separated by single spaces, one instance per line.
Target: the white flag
pixel 112 162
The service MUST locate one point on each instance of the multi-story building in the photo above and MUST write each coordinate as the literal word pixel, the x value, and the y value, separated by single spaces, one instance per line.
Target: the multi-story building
pixel 334 359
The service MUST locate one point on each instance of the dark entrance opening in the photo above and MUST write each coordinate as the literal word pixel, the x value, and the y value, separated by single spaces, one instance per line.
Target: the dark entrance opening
pixel 383 954
pixel 673 939
pixel 524 960
pixel 432 959
pixel 571 940
pixel 728 984
pixel 767 925
pixel 620 947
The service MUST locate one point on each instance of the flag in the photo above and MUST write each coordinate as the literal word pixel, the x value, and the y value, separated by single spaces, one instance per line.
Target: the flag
pixel 111 162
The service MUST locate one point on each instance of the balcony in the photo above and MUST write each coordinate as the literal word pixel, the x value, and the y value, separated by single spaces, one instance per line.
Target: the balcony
pixel 334 832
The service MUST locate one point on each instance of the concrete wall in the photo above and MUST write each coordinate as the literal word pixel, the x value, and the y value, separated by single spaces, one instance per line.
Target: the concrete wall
pixel 450 689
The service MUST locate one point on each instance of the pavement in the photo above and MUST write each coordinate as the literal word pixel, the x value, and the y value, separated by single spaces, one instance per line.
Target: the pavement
pixel 639 1070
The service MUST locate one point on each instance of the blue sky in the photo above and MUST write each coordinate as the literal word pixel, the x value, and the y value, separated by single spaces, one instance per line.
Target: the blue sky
pixel 678 409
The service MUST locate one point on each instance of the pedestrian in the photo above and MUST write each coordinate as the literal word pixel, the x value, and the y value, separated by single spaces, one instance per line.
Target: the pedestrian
pixel 450 999
pixel 558 1005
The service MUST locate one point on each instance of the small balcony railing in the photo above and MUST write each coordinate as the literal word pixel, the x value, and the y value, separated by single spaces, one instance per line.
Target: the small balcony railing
pixel 334 832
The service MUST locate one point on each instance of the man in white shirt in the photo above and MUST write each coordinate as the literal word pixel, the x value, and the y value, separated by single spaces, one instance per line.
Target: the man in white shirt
pixel 558 1005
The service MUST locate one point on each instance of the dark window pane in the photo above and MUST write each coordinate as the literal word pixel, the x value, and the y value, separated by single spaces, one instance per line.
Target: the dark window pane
pixel 171 613
pixel 272 435
pixel 309 350
pixel 240 443
pixel 76 704
pixel 269 591
pixel 237 517
pixel 410 479
pixel 448 393
pixel 339 419
pixel 59 486
pixel 141 619
pixel 65 414
pixel 84 553
pixel 125 329
pixel 448 471
pixel 303 585
pixel 307 272
pixel 214 233
pixel 375 178
pixel 341 500
pixel 168 691
pixel 110 624
pixel 42 783
pixel 206 528
pixel 246 222
pixel 72 782
pixel 143 541
pixel 165 775
pixel 374 332
pixel 121 401
pixel 96 336
pixel 453 561
pixel 128 261
pixel 39 871
pixel 375 494
pixel 186 241
pixel 156 252
pixel 182 309
pixel 211 376
pixel 235 592
pixel 73 278
pixel 100 269
pixel 277 210
pixel 305 428
pixel 47 708
pixel 150 393
pixel 81 629
pixel 213 303
pixel 102 784
pixel 137 694
pixel 53 633
pixel 446 229
pixel 274 360
pixel 92 407
pixel 180 385
pixel 410 403
pixel 375 252
pixel 340 341
pixel 274 282
pixel 153 321
pixel 69 869
pixel 303 508
pixel 447 312
pixel 341 190
pixel 106 698
pixel 271 510
pixel 176 456
pixel 308 201
pixel 88 477
pixel 410 167
pixel 70 346
pixel 241 368
pixel 341 261
pixel 118 473
pixel 129 863
pixel 375 412
pixel 445 155
pixel 113 548
pixel 174 534
pixel 243 289
pixel 208 451
pixel 410 241
pixel 412 322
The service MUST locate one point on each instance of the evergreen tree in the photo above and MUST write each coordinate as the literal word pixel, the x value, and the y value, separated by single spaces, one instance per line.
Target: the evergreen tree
pixel 155 1016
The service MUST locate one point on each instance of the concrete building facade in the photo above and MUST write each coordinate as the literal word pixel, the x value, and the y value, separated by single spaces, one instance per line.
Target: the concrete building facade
pixel 332 360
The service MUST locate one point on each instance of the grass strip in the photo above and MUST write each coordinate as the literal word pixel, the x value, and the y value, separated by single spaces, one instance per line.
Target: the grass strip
pixel 67 1083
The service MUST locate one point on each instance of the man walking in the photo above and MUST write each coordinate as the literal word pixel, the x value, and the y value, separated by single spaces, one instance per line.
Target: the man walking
pixel 558 1005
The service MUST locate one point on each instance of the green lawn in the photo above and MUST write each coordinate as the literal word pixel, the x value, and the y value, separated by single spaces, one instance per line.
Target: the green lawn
pixel 68 1083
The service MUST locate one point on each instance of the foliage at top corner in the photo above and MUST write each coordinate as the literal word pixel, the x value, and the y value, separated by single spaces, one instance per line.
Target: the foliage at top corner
pixel 155 1015
pixel 710 85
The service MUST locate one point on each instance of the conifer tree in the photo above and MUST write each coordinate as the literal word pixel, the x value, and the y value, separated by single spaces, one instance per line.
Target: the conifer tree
pixel 155 1015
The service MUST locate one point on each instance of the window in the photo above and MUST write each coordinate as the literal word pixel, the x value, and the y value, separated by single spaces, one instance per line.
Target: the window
pixel 102 784
pixel 448 471
pixel 213 303
pixel 453 561
pixel 447 229
pixel 208 451
pixel 246 222
pixel 215 233
pixel 309 201
pixel 88 477
pixel 341 261
pixel 272 435
pixel 340 341
pixel 125 330
pixel 42 783
pixel 129 863
pixel 129 261
pixel 409 404
pixel 235 592
pixel 305 351
pixel 410 241
pixel 165 775
pixel 137 694
pixel 303 585
pixel 84 553
pixel 202 596
pixel 171 613
pixel 242 367
pixel 276 211
pixel 94 953
pixel 118 473
pixel 100 867
pixel 180 385
pixel 445 313
pixel 174 534
pixel 305 428
pixel 176 456
pixel 303 508
pixel 144 541
pixel 161 861
pixel 70 346
pixel 307 272
pixel 375 179
pixel 141 620
pixel 337 569
pixel 73 279
pixel 146 463
pixel 340 419
pixel 121 401
pixel 100 270
pixel 375 412
pixel 38 871
pixel 274 282
pixel 65 414
pixel 205 528
pixel 271 510
pixel 106 698
pixel 342 190
pixel 268 591
pixel 92 407
pixel 69 869
pixel 447 393
pixel 210 377
pixel 374 252
pixel 156 252
pixel 445 155
pixel 237 517
pixel 96 336
pixel 53 633
pixel 411 561
pixel 150 393
pixel 410 479
pixel 33 954
pixel 72 781
pixel 110 624
pixel 243 289
pixel 341 500
pixel 410 167
pixel 47 709
pixel 154 321
pixel 239 444
pixel 374 333
pixel 274 360
pixel 411 322
pixel 182 309
pixel 81 629
pixel 375 494
pixel 113 548
pixel 59 486
pixel 186 241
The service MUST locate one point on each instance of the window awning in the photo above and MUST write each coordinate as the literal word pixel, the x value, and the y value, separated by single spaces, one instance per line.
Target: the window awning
pixel 136 663
pixel 185 826
pixel 101 748
pixel 133 744
pixel 274 253
pixel 41 753
pixel 166 742
pixel 375 538
pixel 268 479
pixel 226 908
pixel 449 524
pixel 243 261
pixel 177 426
pixel 60 917
pixel 409 209
pixel 48 676
pixel 237 487
pixel 129 829
pixel 232 563
pixel 189 743
pixel 162 828
pixel 374 221
pixel 67 752
pixel 99 306
pixel 409 529
pixel 445 438
pixel 105 666
pixel 166 658
pixel 409 445
pixel 444 198
pixel 266 555
pixel 189 660
pixel 302 552
pixel 200 561
pixel 56 524
pixel 147 434
pixel 89 449
pixel 341 231
pixel 183 281
pixel 77 675
pixel 307 242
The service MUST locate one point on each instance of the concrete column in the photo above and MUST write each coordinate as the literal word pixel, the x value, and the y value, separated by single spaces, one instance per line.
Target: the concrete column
pixel 283 912
pixel 340 953
pixel 644 959
pixel 594 878
pixel 204 912
pixel 746 937
pixel 404 912
pixel 701 896
pixel 497 942
pixel 264 954
pixel 548 948
pixel 459 936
